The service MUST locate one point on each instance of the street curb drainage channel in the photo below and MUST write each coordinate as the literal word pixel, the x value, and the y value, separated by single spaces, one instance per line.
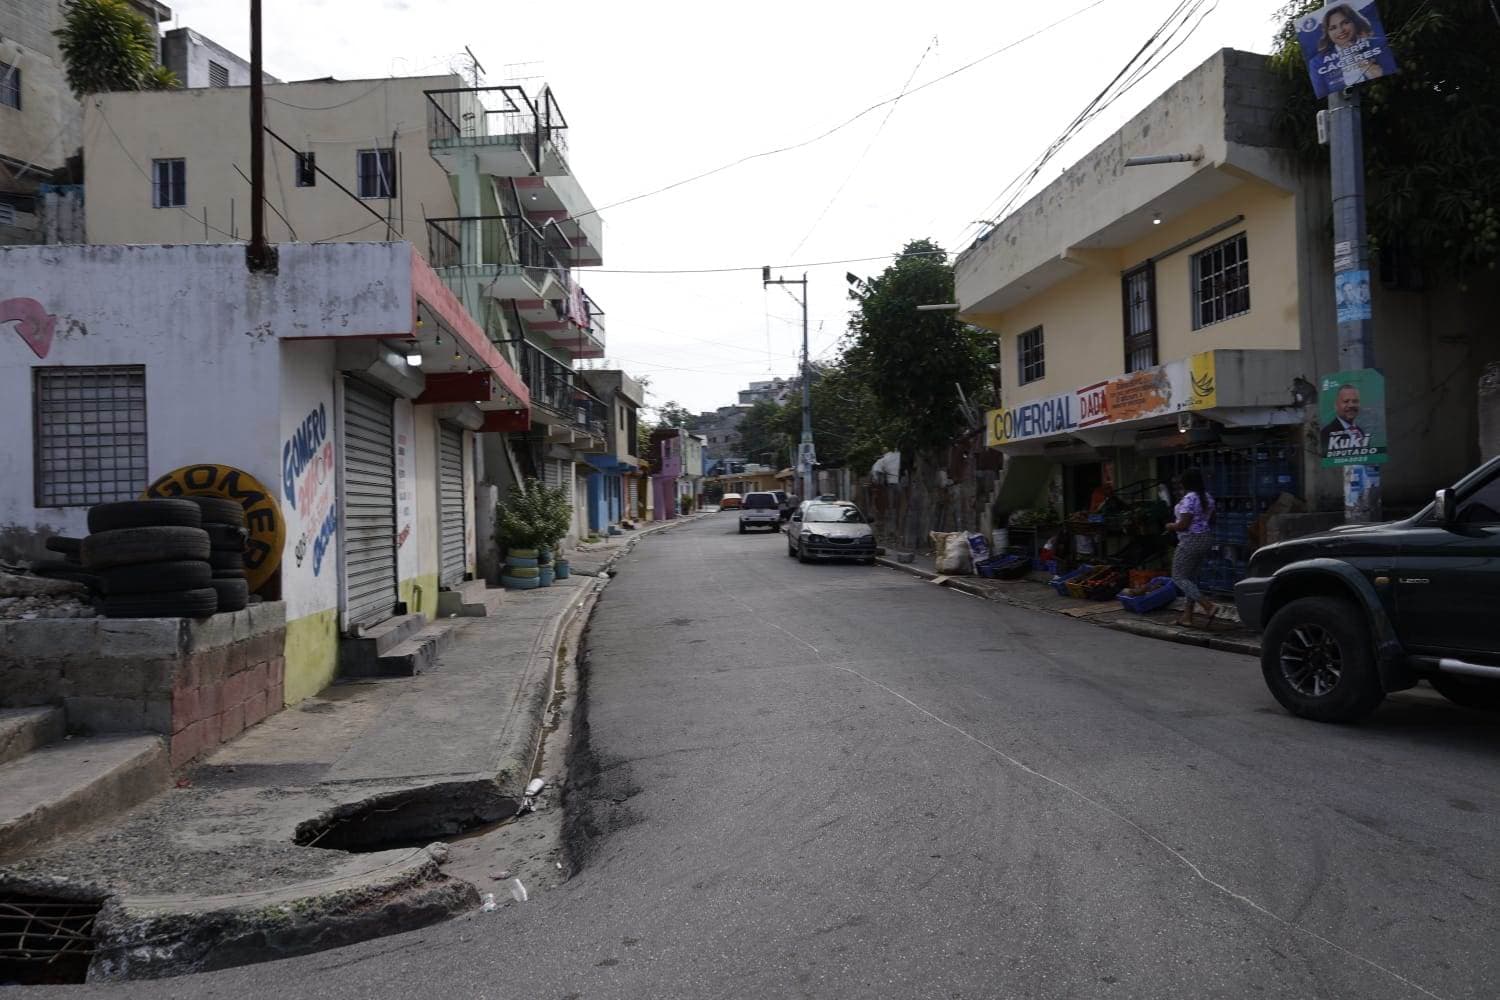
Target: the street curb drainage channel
pixel 410 818
pixel 46 938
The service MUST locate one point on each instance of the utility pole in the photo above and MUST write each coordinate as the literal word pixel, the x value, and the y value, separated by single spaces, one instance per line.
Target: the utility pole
pixel 1351 260
pixel 806 455
pixel 260 256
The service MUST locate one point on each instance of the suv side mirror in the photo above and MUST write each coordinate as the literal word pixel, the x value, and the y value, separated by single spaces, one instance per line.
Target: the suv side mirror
pixel 1447 506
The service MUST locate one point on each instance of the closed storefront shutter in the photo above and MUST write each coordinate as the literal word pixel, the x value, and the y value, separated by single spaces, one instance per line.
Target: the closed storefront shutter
pixel 369 488
pixel 451 505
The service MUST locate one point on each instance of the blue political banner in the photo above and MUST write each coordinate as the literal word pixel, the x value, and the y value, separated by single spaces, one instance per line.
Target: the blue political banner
pixel 1345 45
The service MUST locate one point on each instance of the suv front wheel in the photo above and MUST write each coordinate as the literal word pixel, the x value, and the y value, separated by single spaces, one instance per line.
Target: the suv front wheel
pixel 1318 660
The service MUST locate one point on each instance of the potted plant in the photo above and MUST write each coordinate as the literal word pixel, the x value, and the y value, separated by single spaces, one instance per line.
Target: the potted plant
pixel 523 526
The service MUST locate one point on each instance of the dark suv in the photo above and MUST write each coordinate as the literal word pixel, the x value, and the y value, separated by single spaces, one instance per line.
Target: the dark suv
pixel 1364 610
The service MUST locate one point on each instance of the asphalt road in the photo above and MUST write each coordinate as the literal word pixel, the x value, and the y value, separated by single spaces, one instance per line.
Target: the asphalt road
pixel 840 781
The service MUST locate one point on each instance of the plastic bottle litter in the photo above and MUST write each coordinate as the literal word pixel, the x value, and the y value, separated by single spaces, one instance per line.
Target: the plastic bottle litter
pixel 488 903
pixel 535 786
pixel 517 891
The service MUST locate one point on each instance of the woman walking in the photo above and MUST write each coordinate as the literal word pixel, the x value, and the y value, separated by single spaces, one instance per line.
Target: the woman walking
pixel 1195 513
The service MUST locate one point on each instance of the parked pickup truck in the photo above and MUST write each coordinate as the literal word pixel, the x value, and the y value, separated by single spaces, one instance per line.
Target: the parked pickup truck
pixel 1353 614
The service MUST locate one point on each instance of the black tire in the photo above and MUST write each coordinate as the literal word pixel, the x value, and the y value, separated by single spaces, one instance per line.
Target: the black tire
pixel 219 510
pixel 233 594
pixel 71 572
pixel 223 560
pixel 225 537
pixel 229 574
pixel 66 546
pixel 1319 662
pixel 869 561
pixel 163 604
pixel 130 546
pixel 159 513
pixel 790 551
pixel 742 529
pixel 802 556
pixel 1469 692
pixel 187 574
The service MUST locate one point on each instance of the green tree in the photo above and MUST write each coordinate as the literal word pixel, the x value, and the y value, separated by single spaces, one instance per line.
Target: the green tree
pixel 1432 152
pixel 763 437
pixel 847 429
pixel 107 46
pixel 912 363
pixel 674 414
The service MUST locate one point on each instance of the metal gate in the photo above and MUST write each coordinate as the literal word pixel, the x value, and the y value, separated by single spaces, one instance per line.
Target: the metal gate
pixel 451 505
pixel 369 486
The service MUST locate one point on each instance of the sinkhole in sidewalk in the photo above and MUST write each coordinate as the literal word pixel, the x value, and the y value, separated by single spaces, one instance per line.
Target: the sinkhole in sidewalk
pixel 46 940
pixel 410 818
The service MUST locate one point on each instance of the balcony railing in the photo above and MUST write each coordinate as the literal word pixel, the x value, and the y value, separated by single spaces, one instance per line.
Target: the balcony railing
pixel 555 386
pixel 478 112
pixel 497 241
pixel 593 318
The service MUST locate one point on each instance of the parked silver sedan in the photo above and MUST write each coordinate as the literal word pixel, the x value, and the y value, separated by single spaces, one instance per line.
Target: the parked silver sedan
pixel 830 531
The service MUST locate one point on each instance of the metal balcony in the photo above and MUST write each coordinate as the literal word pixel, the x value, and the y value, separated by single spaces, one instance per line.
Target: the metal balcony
pixel 516 260
pixel 559 398
pixel 512 135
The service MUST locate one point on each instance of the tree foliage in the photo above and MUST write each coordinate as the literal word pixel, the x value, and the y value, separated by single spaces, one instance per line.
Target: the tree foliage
pixel 533 515
pixel 674 414
pixel 107 46
pixel 1432 151
pixel 912 364
pixel 763 435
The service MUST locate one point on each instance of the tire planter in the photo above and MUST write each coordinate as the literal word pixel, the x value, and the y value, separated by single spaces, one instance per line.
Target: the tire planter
pixel 131 546
pixel 520 561
pixel 563 569
pixel 144 514
pixel 234 595
pixel 149 577
pixel 165 604
pixel 520 583
pixel 548 574
pixel 523 572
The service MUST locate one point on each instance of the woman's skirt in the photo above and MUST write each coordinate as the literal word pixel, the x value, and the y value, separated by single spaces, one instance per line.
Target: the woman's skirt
pixel 1188 561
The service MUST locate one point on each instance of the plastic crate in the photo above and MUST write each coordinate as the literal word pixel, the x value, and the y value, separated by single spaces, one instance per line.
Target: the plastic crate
pixel 1060 583
pixel 1154 601
pixel 1044 565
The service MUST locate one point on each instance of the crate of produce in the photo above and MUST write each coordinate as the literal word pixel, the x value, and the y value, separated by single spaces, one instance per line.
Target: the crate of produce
pixel 1101 586
pixel 1160 592
pixel 1140 579
pixel 1060 583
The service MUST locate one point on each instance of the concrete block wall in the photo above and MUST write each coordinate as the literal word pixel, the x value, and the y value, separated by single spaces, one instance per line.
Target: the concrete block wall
pixel 197 682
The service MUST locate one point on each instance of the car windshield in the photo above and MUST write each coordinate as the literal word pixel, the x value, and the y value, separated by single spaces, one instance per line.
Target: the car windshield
pixel 760 500
pixel 828 514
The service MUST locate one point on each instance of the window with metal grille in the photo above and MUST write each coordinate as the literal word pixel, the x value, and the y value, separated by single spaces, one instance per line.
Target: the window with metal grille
pixel 168 183
pixel 307 170
pixel 10 86
pixel 89 428
pixel 218 76
pixel 1221 282
pixel 1031 356
pixel 377 173
pixel 1139 288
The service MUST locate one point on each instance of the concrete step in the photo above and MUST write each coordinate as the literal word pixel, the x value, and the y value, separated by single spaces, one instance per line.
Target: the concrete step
pixel 23 730
pixel 68 785
pixel 417 654
pixel 359 656
pixel 470 599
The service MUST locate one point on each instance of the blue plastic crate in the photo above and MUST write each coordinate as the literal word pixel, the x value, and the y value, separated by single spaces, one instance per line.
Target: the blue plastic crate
pixel 1154 601
pixel 1060 583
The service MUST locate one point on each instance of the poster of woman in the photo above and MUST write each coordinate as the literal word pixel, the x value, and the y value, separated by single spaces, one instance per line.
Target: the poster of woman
pixel 1345 45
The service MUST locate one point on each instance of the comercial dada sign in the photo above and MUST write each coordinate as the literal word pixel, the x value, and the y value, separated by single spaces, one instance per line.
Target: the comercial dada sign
pixel 1188 384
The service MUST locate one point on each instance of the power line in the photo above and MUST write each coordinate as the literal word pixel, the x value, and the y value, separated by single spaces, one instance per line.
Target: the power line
pixel 843 125
pixel 732 270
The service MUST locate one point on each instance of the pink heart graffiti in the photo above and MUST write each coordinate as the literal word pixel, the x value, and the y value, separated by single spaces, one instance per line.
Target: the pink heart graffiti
pixel 33 323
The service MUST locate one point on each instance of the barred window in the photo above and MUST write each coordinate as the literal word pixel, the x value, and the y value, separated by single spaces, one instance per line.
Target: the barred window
pixel 1139 286
pixel 307 170
pixel 1031 359
pixel 1221 282
pixel 377 173
pixel 89 428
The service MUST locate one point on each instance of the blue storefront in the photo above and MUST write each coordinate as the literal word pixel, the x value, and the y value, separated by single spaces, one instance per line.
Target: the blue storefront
pixel 606 492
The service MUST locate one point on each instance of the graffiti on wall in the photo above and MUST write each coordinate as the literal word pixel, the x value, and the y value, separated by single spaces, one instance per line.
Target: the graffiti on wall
pixel 35 325
pixel 308 470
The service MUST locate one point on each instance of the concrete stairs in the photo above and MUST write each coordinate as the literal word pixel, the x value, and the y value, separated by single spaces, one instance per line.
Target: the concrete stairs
pixel 404 646
pixel 51 784
pixel 470 599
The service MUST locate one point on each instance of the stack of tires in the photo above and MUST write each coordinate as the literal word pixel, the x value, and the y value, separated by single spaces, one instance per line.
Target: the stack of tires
pixel 521 571
pixel 224 520
pixel 151 558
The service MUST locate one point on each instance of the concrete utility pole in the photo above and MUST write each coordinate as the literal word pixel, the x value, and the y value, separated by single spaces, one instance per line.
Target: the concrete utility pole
pixel 806 455
pixel 1351 256
pixel 259 255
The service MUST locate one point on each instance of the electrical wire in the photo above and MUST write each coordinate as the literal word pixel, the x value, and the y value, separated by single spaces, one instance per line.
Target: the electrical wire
pixel 732 270
pixel 850 121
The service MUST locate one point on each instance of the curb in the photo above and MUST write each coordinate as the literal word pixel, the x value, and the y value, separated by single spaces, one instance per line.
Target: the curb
pixel 1141 627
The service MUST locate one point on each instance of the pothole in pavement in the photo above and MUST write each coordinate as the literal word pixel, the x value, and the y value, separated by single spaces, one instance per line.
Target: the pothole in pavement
pixel 46 940
pixel 409 819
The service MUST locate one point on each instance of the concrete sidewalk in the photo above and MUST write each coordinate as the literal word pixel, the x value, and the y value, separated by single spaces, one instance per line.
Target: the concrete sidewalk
pixel 1031 591
pixel 310 830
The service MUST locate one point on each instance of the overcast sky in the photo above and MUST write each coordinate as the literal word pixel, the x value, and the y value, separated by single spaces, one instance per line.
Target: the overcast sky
pixel 656 92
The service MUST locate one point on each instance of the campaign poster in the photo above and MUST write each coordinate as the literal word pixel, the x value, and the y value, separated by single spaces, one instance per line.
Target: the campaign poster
pixel 1344 45
pixel 1351 418
pixel 1351 292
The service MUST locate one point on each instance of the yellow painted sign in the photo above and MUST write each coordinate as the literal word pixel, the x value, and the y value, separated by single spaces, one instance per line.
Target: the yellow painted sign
pixel 262 513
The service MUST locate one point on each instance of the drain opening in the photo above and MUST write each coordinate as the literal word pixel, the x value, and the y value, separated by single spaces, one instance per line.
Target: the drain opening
pixel 46 940
pixel 411 819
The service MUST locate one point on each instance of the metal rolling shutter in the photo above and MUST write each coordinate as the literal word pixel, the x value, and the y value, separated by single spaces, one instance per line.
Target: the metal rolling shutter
pixel 369 537
pixel 451 504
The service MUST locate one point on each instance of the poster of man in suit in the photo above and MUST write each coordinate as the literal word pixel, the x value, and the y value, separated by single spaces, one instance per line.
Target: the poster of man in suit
pixel 1351 412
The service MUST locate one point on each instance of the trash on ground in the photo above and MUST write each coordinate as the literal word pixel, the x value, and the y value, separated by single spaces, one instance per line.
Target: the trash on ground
pixel 517 891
